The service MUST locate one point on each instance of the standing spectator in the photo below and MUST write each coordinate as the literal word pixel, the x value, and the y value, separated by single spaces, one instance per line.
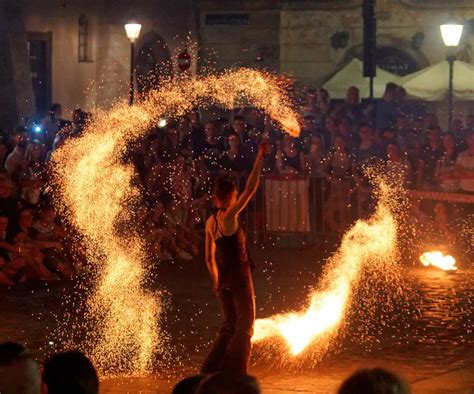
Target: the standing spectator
pixel 445 167
pixel 337 167
pixel 430 154
pixel 324 102
pixel 53 124
pixel 398 164
pixel 310 107
pixel 235 159
pixel 240 128
pixel 20 140
pixel 353 109
pixel 314 160
pixel 212 146
pixel 465 166
pixel 386 110
pixel 289 159
pixel 171 149
pixel 197 132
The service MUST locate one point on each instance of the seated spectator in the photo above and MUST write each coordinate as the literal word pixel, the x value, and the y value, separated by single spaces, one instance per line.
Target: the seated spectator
pixel 430 154
pixel 12 267
pixel 446 165
pixel 374 381
pixel 47 234
pixel 8 205
pixel 70 372
pixel 18 370
pixel 30 250
pixel 14 159
pixel 3 152
pixel 228 383
pixel 465 166
pixel 289 158
pixel 188 385
pixel 31 176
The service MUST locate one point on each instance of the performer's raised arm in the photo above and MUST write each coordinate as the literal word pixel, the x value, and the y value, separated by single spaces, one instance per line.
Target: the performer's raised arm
pixel 251 186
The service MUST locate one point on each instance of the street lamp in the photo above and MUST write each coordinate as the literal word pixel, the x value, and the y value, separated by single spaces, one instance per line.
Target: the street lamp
pixel 451 33
pixel 132 29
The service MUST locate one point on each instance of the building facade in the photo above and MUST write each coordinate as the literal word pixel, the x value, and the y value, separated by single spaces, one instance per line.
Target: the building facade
pixel 75 52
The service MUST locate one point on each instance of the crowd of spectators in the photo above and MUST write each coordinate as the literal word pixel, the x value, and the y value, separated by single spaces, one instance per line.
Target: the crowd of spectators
pixel 72 372
pixel 177 163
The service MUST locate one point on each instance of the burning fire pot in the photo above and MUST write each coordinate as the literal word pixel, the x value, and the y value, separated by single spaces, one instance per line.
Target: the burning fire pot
pixel 439 260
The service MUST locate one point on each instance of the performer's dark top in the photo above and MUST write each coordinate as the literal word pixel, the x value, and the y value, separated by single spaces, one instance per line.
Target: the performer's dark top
pixel 232 259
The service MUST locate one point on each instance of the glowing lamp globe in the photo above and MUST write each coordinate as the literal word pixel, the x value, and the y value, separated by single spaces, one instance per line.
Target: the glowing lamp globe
pixel 133 31
pixel 451 33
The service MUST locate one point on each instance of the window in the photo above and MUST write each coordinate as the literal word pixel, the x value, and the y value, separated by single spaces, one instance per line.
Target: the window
pixel 84 48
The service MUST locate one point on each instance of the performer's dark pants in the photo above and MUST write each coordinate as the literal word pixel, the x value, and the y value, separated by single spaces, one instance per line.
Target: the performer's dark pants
pixel 231 349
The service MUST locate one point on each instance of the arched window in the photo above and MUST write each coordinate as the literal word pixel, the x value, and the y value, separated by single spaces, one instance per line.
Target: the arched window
pixel 84 48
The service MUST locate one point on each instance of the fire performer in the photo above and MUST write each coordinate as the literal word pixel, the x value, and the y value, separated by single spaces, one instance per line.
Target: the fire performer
pixel 230 267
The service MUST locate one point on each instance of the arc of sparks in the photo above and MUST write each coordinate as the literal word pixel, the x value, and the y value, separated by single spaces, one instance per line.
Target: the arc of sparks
pixel 94 189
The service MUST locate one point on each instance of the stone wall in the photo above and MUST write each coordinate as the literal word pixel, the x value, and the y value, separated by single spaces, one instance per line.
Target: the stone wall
pixel 305 28
pixel 105 78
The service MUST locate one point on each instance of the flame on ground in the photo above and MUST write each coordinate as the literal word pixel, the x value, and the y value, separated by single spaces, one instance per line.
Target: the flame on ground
pixel 439 260
pixel 94 187
pixel 368 245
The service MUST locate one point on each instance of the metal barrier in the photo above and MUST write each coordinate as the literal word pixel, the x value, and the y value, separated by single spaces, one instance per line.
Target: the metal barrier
pixel 303 209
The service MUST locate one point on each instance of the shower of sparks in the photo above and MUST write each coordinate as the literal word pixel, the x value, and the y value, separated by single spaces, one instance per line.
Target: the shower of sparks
pixel 94 187
pixel 369 246
pixel 439 260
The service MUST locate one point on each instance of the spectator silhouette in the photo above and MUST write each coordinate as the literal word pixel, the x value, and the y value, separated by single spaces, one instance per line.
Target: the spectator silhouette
pixel 70 372
pixel 228 383
pixel 374 381
pixel 18 370
pixel 188 385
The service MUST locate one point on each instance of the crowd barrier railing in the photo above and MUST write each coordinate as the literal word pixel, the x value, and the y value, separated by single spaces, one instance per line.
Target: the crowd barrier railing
pixel 307 208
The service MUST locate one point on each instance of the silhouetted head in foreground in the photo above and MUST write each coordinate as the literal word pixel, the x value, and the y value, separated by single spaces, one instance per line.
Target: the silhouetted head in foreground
pixel 374 381
pixel 188 385
pixel 18 370
pixel 70 372
pixel 228 383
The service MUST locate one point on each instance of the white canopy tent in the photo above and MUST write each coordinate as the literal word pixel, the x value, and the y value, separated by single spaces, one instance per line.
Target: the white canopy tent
pixel 432 83
pixel 352 75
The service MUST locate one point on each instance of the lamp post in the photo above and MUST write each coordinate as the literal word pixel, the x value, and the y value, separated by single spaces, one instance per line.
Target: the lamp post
pixel 132 29
pixel 451 33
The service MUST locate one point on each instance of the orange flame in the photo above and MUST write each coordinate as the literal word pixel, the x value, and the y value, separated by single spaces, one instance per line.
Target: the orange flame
pixel 95 187
pixel 439 260
pixel 368 244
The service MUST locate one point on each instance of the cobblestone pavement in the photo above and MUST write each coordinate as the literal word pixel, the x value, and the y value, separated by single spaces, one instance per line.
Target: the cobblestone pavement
pixel 435 340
